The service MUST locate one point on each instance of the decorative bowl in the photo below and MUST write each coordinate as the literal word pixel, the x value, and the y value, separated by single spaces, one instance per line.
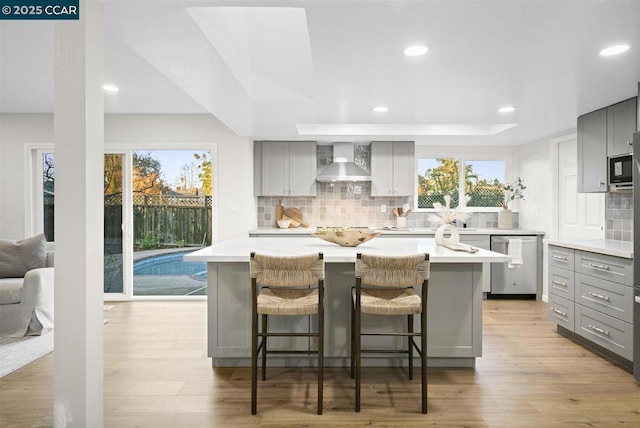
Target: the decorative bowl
pixel 283 224
pixel 347 238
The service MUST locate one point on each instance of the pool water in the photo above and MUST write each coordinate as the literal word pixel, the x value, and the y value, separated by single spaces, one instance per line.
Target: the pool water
pixel 170 265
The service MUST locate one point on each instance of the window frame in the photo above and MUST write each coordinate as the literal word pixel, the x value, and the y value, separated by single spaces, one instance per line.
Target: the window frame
pixel 464 154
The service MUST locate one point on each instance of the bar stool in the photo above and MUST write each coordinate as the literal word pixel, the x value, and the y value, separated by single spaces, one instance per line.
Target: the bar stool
pixel 388 290
pixel 285 285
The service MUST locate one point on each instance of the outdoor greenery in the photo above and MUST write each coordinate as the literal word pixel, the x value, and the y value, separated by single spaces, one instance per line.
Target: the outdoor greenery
pixel 164 215
pixel 444 179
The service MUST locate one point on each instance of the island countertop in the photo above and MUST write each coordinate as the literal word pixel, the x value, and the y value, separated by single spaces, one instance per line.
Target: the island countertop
pixel 239 250
pixel 411 231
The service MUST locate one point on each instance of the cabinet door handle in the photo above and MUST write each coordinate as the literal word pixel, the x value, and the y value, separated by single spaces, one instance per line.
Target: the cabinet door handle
pixel 601 183
pixel 599 330
pixel 559 312
pixel 597 266
pixel 599 296
pixel 629 143
pixel 561 258
pixel 561 284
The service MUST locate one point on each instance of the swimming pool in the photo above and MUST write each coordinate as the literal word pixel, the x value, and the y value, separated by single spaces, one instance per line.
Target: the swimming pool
pixel 170 265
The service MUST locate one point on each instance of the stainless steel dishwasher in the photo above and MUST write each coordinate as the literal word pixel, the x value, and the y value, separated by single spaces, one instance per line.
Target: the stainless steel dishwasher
pixel 517 281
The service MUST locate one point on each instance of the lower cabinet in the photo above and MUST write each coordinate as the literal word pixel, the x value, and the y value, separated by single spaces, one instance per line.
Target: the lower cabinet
pixel 589 295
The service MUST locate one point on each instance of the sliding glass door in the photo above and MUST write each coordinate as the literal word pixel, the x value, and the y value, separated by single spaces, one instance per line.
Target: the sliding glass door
pixel 157 207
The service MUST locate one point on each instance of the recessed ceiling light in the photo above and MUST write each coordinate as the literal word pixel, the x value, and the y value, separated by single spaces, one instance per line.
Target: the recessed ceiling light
pixel 381 109
pixel 416 50
pixel 110 88
pixel 506 109
pixel 614 50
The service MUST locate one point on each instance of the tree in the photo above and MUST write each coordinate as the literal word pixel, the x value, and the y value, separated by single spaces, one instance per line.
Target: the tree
pixel 49 168
pixel 186 181
pixel 112 174
pixel 205 169
pixel 147 175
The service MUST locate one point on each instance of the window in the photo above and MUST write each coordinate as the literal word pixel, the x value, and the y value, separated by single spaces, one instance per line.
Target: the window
pixel 483 181
pixel 48 193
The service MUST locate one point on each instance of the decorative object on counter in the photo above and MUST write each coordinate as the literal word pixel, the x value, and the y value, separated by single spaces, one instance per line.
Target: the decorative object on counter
pixel 279 211
pixel 453 235
pixel 346 237
pixel 446 215
pixel 292 222
pixel 283 224
pixel 401 214
pixel 463 247
pixel 295 215
pixel 512 191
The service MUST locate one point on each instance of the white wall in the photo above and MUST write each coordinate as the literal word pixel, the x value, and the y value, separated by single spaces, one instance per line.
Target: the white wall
pixel 536 212
pixel 233 162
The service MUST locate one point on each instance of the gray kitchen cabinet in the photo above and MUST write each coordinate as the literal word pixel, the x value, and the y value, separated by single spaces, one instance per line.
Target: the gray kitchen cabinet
pixel 590 295
pixel 621 124
pixel 285 168
pixel 602 133
pixel 484 242
pixel 592 152
pixel 393 168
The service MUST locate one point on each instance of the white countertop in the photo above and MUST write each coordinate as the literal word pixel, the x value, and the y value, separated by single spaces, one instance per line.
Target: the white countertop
pixel 601 246
pixel 401 232
pixel 239 249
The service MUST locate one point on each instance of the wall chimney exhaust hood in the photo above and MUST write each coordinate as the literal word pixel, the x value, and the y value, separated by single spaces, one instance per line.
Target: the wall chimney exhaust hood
pixel 343 168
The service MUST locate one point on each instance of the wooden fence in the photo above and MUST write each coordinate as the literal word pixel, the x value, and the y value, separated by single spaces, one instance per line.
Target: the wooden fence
pixel 158 221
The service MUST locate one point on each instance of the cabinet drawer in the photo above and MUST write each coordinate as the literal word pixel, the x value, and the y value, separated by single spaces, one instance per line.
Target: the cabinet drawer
pixel 611 268
pixel 606 331
pixel 561 311
pixel 561 257
pixel 561 282
pixel 610 298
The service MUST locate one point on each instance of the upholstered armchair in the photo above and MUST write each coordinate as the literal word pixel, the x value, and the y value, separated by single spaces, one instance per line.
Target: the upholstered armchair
pixel 26 287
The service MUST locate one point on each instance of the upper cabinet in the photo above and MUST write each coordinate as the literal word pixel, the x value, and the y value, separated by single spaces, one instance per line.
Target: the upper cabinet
pixel 602 133
pixel 393 168
pixel 285 168
pixel 592 152
pixel 621 124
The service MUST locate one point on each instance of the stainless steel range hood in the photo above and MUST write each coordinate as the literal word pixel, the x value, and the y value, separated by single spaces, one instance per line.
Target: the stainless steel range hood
pixel 343 168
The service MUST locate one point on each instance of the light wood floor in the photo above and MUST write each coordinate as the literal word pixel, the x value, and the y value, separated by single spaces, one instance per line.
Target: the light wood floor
pixel 157 375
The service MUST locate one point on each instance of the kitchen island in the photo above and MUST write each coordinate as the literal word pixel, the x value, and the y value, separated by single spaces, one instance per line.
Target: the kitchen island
pixel 454 306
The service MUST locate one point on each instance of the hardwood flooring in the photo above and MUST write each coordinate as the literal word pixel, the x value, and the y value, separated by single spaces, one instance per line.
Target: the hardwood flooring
pixel 156 375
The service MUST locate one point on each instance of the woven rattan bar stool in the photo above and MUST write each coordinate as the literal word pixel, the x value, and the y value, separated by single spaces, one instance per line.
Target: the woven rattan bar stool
pixel 384 286
pixel 285 285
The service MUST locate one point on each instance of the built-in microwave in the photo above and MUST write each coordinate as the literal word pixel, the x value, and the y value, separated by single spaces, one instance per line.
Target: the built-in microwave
pixel 620 172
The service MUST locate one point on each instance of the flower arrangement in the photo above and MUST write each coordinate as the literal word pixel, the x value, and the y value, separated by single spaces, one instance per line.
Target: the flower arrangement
pixel 513 191
pixel 446 214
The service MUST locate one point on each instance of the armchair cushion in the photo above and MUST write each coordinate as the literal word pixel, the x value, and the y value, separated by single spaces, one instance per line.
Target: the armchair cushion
pixel 11 291
pixel 19 257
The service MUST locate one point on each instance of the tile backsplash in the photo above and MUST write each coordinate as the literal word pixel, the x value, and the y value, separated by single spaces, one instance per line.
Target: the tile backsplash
pixel 619 216
pixel 351 204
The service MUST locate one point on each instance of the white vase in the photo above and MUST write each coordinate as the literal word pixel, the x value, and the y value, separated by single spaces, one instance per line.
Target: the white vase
pixel 453 238
pixel 505 218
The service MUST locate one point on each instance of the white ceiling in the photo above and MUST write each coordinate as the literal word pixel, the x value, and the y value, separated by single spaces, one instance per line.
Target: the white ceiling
pixel 265 67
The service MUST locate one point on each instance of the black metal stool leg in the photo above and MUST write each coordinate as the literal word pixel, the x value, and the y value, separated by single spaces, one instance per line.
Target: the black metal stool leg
pixel 353 341
pixel 254 356
pixel 320 357
pixel 358 316
pixel 410 344
pixel 423 351
pixel 264 347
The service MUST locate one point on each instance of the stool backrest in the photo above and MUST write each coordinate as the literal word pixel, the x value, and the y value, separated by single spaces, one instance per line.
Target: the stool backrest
pixel 287 271
pixel 392 271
